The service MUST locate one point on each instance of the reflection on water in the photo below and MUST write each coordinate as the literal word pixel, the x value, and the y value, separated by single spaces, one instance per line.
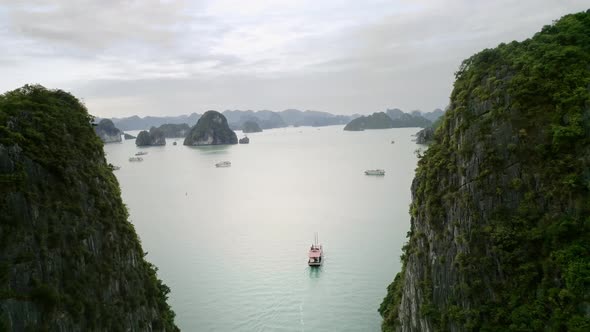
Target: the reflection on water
pixel 314 271
pixel 212 149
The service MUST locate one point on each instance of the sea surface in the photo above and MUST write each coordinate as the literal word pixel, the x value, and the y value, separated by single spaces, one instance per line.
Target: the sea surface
pixel 232 242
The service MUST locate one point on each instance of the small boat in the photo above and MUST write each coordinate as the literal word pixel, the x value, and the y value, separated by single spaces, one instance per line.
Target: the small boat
pixel 392 142
pixel 374 172
pixel 223 164
pixel 136 159
pixel 316 253
pixel 141 153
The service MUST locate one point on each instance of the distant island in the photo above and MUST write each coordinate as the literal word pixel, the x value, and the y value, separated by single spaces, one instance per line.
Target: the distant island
pixel 411 120
pixel 154 137
pixel 236 118
pixel 393 118
pixel 251 127
pixel 107 131
pixel 266 119
pixel 377 120
pixel 138 123
pixel 211 129
pixel 173 130
pixel 128 136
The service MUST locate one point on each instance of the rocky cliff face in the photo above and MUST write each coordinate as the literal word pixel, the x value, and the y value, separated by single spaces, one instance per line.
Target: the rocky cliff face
pixel 425 136
pixel 211 129
pixel 154 137
pixel 500 233
pixel 69 258
pixel 107 131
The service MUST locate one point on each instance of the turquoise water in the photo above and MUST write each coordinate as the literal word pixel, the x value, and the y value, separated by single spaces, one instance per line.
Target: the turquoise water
pixel 232 242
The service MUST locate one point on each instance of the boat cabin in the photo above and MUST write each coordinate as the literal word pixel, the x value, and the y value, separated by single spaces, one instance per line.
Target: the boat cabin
pixel 316 255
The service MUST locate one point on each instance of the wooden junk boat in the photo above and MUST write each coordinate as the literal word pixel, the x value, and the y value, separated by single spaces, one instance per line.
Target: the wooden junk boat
pixel 316 253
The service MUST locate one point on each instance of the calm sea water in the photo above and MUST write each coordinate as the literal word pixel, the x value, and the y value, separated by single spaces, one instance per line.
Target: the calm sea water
pixel 232 242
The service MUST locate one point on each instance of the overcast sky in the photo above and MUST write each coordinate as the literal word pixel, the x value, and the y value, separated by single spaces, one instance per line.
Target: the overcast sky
pixel 172 57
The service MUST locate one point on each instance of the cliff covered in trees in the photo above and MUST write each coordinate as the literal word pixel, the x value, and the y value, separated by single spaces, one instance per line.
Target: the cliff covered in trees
pixel 69 258
pixel 500 226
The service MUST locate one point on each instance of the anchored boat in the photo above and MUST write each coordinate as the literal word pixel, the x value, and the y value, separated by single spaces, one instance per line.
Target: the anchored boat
pixel 141 153
pixel 136 159
pixel 223 164
pixel 316 253
pixel 375 172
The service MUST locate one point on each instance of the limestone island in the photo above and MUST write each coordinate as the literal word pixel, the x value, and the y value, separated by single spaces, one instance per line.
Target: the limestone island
pixel 251 127
pixel 70 258
pixel 173 130
pixel 128 136
pixel 154 137
pixel 211 129
pixel 378 120
pixel 107 131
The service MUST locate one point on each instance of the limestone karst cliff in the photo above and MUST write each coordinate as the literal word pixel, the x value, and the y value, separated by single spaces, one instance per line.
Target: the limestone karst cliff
pixel 500 213
pixel 107 131
pixel 69 258
pixel 211 129
pixel 153 137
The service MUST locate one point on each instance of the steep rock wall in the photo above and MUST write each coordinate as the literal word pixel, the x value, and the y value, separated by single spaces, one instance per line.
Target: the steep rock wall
pixel 69 258
pixel 500 219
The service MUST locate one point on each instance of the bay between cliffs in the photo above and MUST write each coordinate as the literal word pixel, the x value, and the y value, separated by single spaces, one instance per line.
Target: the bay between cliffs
pixel 232 243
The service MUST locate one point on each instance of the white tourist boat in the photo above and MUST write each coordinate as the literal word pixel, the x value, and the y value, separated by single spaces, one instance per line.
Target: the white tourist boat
pixel 223 164
pixel 136 159
pixel 375 172
pixel 141 153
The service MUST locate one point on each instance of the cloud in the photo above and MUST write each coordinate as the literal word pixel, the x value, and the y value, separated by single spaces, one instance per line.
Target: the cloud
pixel 96 25
pixel 171 56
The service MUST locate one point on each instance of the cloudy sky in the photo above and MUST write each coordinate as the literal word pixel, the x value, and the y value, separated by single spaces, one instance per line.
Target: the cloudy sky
pixel 171 57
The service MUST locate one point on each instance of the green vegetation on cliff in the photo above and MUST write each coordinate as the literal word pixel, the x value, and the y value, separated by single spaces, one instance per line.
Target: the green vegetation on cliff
pixel 500 217
pixel 69 258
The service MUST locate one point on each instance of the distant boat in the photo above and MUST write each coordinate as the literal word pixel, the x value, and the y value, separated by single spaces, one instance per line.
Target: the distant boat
pixel 141 153
pixel 374 172
pixel 136 159
pixel 392 142
pixel 223 164
pixel 316 253
pixel 173 143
